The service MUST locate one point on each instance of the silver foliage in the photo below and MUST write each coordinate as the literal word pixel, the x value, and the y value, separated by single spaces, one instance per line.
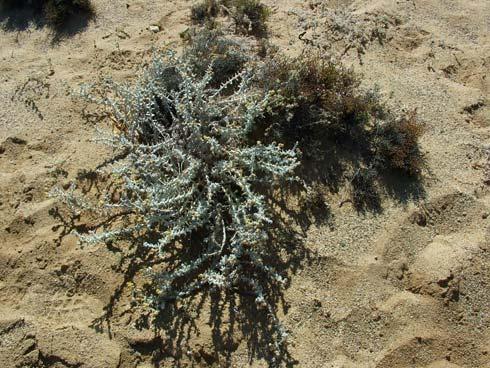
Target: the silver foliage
pixel 187 166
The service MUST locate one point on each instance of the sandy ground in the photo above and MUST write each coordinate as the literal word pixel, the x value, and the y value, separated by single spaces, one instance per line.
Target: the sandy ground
pixel 407 287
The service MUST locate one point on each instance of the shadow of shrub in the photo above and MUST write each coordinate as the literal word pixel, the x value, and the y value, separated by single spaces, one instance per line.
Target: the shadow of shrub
pixel 64 17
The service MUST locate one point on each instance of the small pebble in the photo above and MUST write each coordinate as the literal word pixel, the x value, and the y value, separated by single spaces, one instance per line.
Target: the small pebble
pixel 154 29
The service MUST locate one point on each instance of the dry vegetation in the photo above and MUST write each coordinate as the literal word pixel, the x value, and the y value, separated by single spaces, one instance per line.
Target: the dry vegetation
pixel 203 142
pixel 249 16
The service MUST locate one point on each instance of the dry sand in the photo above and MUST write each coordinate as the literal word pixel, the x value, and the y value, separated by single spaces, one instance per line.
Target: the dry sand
pixel 407 287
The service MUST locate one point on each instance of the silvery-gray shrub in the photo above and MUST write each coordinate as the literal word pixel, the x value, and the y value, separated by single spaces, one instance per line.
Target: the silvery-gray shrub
pixel 184 165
